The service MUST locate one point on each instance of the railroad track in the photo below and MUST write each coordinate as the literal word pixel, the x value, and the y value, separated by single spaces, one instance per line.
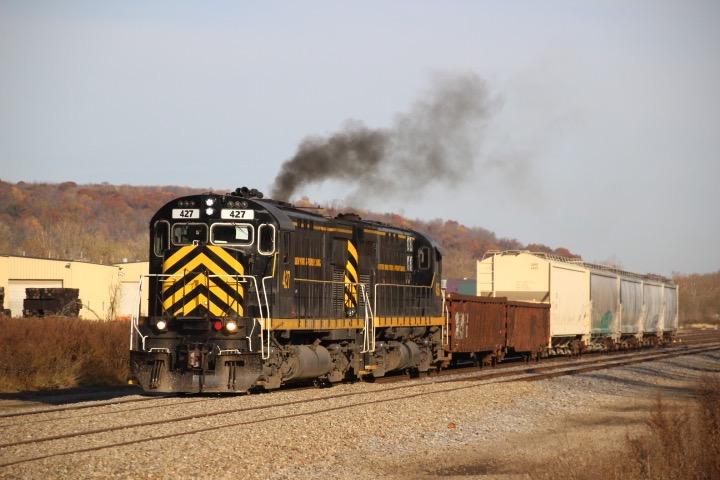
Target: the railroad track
pixel 63 435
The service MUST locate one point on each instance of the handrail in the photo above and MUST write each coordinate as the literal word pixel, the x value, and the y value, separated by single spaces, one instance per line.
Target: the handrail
pixel 253 280
pixel 426 299
pixel 446 327
pixel 135 330
pixel 135 319
pixel 265 330
pixel 369 329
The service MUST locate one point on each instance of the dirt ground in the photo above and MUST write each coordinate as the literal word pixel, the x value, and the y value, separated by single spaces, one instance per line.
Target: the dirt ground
pixel 568 443
pixel 571 439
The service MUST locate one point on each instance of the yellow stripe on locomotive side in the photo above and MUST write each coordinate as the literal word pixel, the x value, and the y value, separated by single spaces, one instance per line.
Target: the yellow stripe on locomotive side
pixel 351 323
pixel 383 234
pixel 320 228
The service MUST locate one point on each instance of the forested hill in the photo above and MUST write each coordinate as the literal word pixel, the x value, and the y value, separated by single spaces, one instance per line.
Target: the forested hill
pixel 107 223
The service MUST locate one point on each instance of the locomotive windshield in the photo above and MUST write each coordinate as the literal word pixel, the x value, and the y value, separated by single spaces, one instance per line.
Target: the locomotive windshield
pixel 231 234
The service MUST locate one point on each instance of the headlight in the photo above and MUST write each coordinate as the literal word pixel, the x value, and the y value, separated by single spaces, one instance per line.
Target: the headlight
pixel 209 202
pixel 209 211
pixel 161 325
pixel 231 326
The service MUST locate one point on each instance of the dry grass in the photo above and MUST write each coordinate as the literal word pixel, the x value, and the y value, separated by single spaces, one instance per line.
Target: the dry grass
pixel 678 445
pixel 682 445
pixel 61 352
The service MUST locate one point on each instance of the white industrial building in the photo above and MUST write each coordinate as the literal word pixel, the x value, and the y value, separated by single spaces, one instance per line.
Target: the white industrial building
pixel 107 292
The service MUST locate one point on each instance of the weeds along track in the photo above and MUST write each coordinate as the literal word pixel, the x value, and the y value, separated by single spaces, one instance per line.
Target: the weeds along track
pixel 106 426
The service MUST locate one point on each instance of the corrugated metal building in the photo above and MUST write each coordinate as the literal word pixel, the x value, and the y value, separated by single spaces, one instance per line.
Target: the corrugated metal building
pixel 106 291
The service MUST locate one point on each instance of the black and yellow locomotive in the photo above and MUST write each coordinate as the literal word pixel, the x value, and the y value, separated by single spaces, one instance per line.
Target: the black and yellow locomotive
pixel 249 293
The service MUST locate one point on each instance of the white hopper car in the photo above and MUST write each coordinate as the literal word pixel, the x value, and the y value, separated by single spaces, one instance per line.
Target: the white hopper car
pixel 592 307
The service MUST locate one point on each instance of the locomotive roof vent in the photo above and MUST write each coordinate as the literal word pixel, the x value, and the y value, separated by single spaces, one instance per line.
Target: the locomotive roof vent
pixel 245 192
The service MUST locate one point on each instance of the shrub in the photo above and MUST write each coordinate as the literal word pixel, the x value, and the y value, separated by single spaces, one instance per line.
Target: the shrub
pixel 61 352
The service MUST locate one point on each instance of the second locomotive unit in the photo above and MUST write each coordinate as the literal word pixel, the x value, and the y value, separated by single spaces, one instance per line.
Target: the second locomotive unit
pixel 249 293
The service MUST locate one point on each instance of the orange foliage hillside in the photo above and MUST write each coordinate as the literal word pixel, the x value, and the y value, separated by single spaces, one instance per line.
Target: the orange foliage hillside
pixel 108 223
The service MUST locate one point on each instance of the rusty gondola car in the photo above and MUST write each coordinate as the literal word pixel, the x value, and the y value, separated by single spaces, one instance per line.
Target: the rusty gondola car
pixel 483 330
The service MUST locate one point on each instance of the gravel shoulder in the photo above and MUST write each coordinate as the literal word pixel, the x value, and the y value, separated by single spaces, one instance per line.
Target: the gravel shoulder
pixel 496 431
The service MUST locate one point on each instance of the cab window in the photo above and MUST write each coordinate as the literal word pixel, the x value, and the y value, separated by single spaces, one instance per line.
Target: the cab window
pixel 231 234
pixel 424 258
pixel 189 233
pixel 161 237
pixel 266 234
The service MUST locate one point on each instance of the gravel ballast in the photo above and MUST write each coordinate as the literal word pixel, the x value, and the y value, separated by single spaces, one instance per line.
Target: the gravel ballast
pixel 497 430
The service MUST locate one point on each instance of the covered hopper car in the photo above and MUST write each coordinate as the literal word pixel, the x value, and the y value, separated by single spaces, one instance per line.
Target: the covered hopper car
pixel 592 307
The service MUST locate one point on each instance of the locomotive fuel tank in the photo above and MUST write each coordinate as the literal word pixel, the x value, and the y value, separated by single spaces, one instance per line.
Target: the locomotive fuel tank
pixel 304 362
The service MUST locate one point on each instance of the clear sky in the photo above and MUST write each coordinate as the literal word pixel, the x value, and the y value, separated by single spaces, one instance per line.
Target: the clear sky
pixel 602 134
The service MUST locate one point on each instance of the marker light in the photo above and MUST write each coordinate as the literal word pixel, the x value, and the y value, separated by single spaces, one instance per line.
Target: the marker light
pixel 231 326
pixel 217 325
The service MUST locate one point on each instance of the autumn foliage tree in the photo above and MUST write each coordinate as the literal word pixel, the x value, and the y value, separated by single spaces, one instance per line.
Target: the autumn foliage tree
pixel 108 223
pixel 97 223
pixel 699 297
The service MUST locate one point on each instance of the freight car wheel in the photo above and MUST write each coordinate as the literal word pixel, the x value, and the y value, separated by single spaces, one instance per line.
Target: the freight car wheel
pixel 413 373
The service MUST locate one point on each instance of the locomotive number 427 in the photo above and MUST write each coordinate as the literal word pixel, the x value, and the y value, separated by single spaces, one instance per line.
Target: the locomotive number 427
pixel 237 214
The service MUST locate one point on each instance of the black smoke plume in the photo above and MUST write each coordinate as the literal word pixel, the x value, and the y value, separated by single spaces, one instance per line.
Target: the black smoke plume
pixel 437 141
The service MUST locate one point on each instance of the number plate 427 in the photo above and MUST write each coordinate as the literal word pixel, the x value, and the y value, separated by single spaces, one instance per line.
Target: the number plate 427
pixel 234 214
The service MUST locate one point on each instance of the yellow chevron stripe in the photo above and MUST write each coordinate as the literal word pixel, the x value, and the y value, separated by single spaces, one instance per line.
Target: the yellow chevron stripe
pixel 236 268
pixel 199 300
pixel 352 250
pixel 203 260
pixel 352 272
pixel 351 277
pixel 177 256
pixel 202 280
